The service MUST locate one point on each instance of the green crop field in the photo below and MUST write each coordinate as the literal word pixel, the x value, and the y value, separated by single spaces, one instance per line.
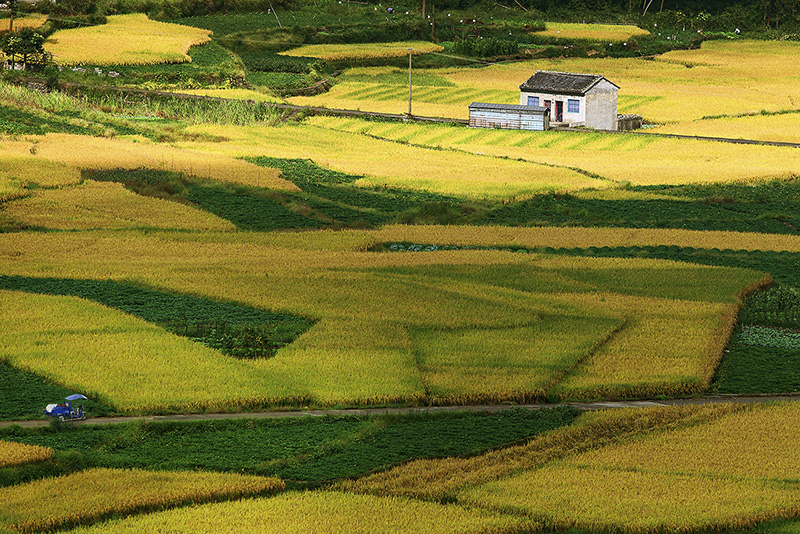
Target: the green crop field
pixel 316 323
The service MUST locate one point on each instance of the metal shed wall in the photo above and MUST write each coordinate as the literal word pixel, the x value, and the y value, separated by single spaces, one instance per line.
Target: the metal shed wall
pixel 510 119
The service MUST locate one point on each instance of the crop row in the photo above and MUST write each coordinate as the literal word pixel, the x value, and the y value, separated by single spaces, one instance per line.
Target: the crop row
pixel 12 453
pixel 96 494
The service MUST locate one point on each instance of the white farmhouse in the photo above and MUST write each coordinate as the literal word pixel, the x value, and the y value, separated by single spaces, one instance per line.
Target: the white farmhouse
pixel 573 99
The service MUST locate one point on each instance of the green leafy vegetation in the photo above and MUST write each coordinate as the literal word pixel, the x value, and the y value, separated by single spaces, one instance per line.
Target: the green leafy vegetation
pixel 237 330
pixel 307 449
pixel 770 207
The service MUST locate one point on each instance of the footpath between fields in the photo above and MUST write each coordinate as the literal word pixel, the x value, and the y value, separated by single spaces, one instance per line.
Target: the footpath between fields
pixel 276 414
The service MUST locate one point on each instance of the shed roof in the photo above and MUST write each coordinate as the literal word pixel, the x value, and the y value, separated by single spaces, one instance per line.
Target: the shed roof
pixel 509 107
pixel 568 83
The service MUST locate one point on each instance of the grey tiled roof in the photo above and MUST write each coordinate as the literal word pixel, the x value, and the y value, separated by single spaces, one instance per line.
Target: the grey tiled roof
pixel 509 107
pixel 567 83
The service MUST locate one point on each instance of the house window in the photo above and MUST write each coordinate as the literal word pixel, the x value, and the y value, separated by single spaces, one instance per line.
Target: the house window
pixel 573 106
pixel 533 100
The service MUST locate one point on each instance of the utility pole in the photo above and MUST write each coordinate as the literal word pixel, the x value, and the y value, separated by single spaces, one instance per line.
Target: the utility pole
pixel 409 83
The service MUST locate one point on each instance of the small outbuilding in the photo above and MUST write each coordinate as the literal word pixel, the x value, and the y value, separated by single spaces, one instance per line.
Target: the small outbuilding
pixel 508 116
pixel 573 99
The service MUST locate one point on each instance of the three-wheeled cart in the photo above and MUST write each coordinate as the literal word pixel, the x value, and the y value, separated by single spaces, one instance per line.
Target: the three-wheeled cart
pixel 64 411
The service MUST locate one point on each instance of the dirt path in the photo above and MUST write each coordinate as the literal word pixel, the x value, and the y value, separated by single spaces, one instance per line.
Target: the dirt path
pixel 589 406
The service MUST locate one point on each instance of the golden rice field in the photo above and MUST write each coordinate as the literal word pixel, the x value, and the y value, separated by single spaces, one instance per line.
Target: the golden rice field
pixel 441 479
pixel 56 159
pixel 126 40
pixel 387 163
pixel 781 128
pixel 676 469
pixel 33 21
pixel 751 482
pixel 12 454
pixel 664 91
pixel 107 205
pixel 566 237
pixel 335 52
pixel 96 494
pixel 319 512
pixel 631 158
pixel 428 322
pixel 593 32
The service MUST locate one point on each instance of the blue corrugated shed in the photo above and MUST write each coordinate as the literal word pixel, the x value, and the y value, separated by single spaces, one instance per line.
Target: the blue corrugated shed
pixel 508 116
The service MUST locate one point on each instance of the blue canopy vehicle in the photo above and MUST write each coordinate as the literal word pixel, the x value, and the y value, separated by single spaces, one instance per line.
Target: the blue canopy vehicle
pixel 64 412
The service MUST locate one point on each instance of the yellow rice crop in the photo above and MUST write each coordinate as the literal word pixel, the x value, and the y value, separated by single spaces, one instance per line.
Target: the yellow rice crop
pixel 518 364
pixel 86 152
pixel 336 361
pixel 593 32
pixel 127 362
pixel 334 52
pixel 21 170
pixel 782 128
pixel 108 205
pixel 33 21
pixel 621 157
pixel 319 512
pixel 387 163
pixel 757 443
pixel 442 478
pixel 567 496
pixel 12 453
pixel 584 237
pixel 126 40
pixel 739 470
pixel 485 236
pixel 680 339
pixel 96 494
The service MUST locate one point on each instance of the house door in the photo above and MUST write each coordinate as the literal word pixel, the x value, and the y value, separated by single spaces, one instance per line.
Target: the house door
pixel 559 111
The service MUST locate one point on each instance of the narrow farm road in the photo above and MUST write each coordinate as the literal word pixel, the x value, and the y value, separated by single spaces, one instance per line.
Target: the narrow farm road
pixel 589 406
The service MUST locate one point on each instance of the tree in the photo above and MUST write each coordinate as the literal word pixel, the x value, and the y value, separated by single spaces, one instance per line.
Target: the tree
pixel 27 43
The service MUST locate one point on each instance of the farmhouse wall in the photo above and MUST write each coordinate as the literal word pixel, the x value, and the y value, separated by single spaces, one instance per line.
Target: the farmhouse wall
pixel 601 106
pixel 570 118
